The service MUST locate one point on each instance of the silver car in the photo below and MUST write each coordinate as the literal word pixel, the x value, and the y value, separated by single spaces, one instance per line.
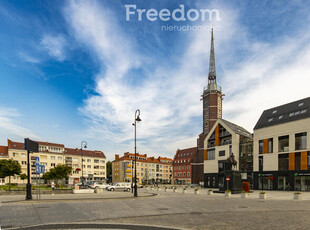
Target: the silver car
pixel 97 185
pixel 119 186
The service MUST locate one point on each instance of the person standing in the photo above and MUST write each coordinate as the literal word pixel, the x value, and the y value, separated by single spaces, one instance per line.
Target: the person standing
pixel 53 187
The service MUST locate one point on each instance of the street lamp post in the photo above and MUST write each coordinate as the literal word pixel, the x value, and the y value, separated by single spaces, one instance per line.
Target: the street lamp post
pixel 131 176
pixel 137 119
pixel 85 146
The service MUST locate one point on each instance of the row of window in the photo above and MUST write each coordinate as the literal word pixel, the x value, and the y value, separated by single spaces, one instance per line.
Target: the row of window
pixel 181 167
pixel 182 161
pixel 283 143
pixel 180 174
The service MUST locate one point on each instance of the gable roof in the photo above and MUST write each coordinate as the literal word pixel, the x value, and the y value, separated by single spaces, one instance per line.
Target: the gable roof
pixel 237 129
pixel 3 151
pixel 293 111
pixel 188 153
pixel 87 153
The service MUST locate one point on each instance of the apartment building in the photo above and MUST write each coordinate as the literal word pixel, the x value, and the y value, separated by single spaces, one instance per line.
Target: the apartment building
pixel 182 165
pixel 282 147
pixel 149 169
pixel 52 154
pixel 224 139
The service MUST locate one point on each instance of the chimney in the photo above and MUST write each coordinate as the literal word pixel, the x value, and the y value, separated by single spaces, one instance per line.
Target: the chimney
pixel 116 156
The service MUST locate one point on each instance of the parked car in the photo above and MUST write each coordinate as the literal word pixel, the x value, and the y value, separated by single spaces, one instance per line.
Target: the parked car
pixel 97 185
pixel 119 186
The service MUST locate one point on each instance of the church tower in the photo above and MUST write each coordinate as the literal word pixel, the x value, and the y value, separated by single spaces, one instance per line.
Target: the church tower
pixel 212 95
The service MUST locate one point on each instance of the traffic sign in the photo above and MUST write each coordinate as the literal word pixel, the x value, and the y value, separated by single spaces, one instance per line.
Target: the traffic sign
pixel 37 160
pixel 38 168
pixel 42 169
pixel 227 178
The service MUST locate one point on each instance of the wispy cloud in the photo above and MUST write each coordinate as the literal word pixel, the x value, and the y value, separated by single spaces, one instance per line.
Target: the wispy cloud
pixel 28 58
pixel 55 46
pixel 10 128
pixel 168 95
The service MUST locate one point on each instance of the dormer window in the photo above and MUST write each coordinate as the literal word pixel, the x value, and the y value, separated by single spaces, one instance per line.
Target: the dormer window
pixel 298 112
pixel 291 114
pixel 280 117
pixel 300 104
pixel 303 111
pixel 274 111
pixel 270 119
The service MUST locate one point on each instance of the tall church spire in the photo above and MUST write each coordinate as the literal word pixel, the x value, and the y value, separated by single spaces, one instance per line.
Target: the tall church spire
pixel 212 72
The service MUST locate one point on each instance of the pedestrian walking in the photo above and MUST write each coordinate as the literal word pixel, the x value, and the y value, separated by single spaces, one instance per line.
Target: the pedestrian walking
pixel 288 187
pixel 53 187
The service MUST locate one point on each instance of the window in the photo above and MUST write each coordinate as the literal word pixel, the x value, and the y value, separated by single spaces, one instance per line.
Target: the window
pixel 291 114
pixel 283 144
pixel 283 162
pixel 75 159
pixel 23 155
pixel 24 162
pixel 15 154
pixel 188 174
pixel 52 157
pixel 88 166
pixel 303 111
pixel 280 117
pixel 44 163
pixel 102 167
pixel 88 160
pixel 260 146
pixel 230 149
pixel 261 162
pixel 300 104
pixel 188 167
pixel 274 111
pixel 301 141
pixel 211 154
pixel 270 119
pixel 297 113
pixel 59 158
pixel 184 174
pixel 222 153
pixel 270 145
pixel 52 164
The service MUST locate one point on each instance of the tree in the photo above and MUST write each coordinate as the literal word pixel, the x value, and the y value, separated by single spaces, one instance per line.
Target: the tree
pixel 23 176
pixel 109 170
pixel 9 168
pixel 59 172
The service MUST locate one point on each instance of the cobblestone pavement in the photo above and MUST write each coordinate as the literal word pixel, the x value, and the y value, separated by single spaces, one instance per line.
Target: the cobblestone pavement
pixel 186 211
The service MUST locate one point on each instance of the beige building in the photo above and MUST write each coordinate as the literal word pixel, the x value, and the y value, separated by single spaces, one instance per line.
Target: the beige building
pixel 149 169
pixel 52 154
pixel 223 139
pixel 282 147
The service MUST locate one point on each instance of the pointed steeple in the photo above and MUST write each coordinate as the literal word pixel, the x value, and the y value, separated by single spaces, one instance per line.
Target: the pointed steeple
pixel 212 72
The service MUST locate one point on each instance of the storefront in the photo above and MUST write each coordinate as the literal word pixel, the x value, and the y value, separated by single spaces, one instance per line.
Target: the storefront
pixel 287 180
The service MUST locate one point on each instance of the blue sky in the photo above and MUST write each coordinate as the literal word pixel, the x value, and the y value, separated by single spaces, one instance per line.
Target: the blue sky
pixel 77 70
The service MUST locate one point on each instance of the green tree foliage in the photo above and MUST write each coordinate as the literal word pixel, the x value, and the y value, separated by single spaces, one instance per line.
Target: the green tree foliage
pixel 59 172
pixel 9 168
pixel 23 176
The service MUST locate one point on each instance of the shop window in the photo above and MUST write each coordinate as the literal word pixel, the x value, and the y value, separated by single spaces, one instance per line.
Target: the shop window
pixel 283 143
pixel 283 162
pixel 301 141
pixel 260 146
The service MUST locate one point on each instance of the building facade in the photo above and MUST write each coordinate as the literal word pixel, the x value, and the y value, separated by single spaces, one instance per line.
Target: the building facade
pixel 182 166
pixel 224 139
pixel 52 154
pixel 282 147
pixel 149 169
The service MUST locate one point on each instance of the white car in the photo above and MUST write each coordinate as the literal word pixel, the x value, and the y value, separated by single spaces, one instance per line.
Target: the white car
pixel 97 185
pixel 119 186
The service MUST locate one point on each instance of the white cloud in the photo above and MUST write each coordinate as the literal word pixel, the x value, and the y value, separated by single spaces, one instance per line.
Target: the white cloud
pixel 169 97
pixel 27 58
pixel 55 46
pixel 9 127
